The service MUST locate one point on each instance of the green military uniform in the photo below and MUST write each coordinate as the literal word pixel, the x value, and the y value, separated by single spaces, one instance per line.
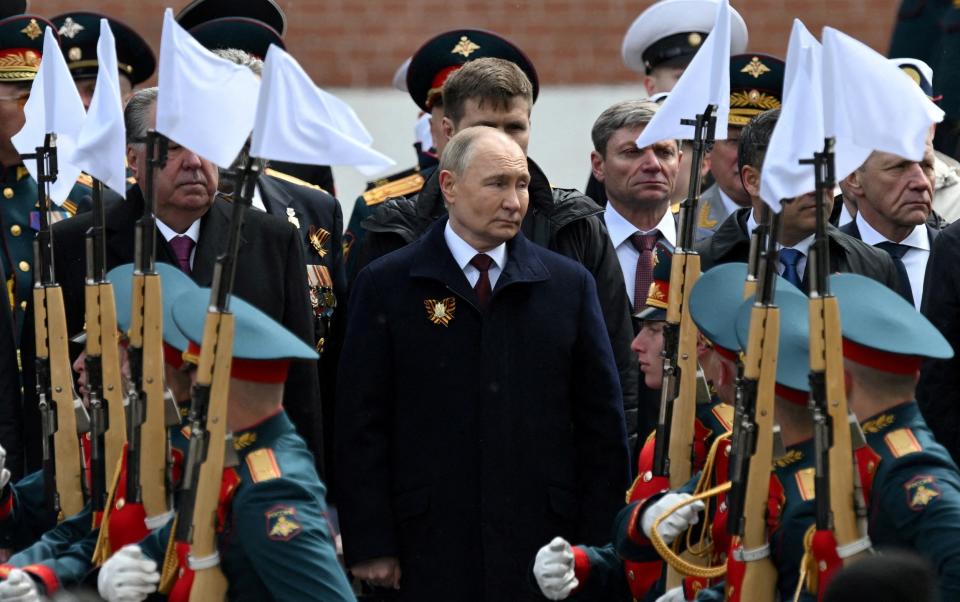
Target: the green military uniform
pixel 915 500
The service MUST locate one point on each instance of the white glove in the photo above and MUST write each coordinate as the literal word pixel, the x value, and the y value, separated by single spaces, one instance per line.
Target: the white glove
pixel 553 568
pixel 677 523
pixel 4 473
pixel 673 595
pixel 128 576
pixel 18 587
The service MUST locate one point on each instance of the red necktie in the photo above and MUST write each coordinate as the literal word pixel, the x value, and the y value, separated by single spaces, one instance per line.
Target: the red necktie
pixel 643 243
pixel 182 246
pixel 482 262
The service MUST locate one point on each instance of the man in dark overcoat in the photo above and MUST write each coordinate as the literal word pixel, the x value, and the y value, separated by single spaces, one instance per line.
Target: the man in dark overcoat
pixel 494 420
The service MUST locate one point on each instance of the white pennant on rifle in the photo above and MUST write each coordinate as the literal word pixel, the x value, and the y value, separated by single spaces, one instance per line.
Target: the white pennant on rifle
pixel 297 121
pixel 54 107
pixel 205 103
pixel 871 105
pixel 705 81
pixel 101 143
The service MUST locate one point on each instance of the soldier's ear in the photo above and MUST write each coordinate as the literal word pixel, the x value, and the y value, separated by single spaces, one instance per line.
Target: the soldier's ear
pixel 448 128
pixel 132 161
pixel 853 183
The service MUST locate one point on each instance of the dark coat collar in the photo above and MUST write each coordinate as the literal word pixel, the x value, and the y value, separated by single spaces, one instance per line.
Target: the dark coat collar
pixel 433 259
pixel 272 193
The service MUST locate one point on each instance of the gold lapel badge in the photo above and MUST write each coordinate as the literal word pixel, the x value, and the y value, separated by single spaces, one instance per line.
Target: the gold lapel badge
pixel 318 238
pixel 440 312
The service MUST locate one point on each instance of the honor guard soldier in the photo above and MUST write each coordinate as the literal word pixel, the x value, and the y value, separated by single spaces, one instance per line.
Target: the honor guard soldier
pixel 915 500
pixel 79 33
pixel 276 541
pixel 21 45
pixel 429 68
pixel 659 45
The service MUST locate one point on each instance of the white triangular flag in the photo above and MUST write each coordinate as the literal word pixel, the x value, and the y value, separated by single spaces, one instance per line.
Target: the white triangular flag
pixel 54 107
pixel 205 103
pixel 296 121
pixel 799 130
pixel 706 80
pixel 101 144
pixel 869 104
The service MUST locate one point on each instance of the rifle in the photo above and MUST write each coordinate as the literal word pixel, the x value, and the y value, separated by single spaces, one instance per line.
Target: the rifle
pixel 104 385
pixel 841 512
pixel 673 450
pixel 62 414
pixel 752 464
pixel 148 474
pixel 203 467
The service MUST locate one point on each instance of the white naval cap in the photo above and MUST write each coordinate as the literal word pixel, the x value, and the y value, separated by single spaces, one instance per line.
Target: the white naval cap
pixel 671 31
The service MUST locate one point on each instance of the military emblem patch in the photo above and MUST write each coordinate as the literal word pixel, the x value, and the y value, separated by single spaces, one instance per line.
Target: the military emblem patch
pixel 465 47
pixel 70 28
pixel 440 312
pixel 282 523
pixel 755 68
pixel 32 30
pixel 318 238
pixel 921 490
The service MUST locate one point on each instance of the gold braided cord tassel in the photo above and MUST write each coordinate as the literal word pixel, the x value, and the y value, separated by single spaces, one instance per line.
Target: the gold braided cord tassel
pixel 670 557
pixel 102 552
pixel 171 564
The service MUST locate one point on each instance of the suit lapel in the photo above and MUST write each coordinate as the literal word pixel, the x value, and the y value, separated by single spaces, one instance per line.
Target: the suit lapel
pixel 214 232
pixel 433 260
pixel 275 198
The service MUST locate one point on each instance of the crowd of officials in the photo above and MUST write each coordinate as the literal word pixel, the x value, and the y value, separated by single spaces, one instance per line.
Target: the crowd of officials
pixel 452 396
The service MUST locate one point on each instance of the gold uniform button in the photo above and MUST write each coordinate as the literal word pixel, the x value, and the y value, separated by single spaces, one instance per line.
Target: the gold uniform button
pixel 15 230
pixel 8 193
pixel 647 476
pixel 23 305
pixel 120 504
pixel 24 266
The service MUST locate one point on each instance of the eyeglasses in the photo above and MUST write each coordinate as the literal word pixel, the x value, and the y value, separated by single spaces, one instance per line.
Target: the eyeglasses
pixel 20 99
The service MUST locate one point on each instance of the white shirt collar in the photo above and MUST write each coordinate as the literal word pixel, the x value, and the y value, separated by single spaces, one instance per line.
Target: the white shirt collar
pixel 728 203
pixel 917 239
pixel 620 229
pixel 462 251
pixel 168 233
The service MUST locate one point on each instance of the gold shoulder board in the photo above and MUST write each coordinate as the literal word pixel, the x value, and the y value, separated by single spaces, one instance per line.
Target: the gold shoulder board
pixel 401 187
pixel 262 465
pixel 293 180
pixel 902 442
pixel 85 179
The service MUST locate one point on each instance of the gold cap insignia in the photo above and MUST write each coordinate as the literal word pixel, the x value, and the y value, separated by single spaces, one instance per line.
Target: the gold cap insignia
pixel 440 312
pixel 465 47
pixel 921 490
pixel 70 28
pixel 292 217
pixel 694 39
pixel 75 54
pixel 755 68
pixel 318 238
pixel 32 30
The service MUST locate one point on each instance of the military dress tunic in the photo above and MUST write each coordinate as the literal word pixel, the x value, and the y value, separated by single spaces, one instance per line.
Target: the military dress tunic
pixel 275 537
pixel 19 221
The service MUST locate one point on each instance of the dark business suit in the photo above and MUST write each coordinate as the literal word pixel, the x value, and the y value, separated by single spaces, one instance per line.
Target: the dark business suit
pixel 482 436
pixel 731 242
pixel 269 275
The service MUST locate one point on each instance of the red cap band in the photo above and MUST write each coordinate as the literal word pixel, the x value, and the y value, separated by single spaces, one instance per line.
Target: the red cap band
pixel 726 353
pixel 258 371
pixel 172 356
pixel 792 395
pixel 896 363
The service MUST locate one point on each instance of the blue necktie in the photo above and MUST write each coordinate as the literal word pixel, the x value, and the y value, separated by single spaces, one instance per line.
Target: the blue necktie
pixel 897 251
pixel 790 258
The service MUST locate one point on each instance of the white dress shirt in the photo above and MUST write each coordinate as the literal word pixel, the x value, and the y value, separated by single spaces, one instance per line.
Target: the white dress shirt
pixel 915 260
pixel 462 253
pixel 621 230
pixel 193 232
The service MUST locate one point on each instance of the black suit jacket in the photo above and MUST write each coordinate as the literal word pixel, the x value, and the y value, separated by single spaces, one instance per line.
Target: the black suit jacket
pixel 270 276
pixel 732 243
